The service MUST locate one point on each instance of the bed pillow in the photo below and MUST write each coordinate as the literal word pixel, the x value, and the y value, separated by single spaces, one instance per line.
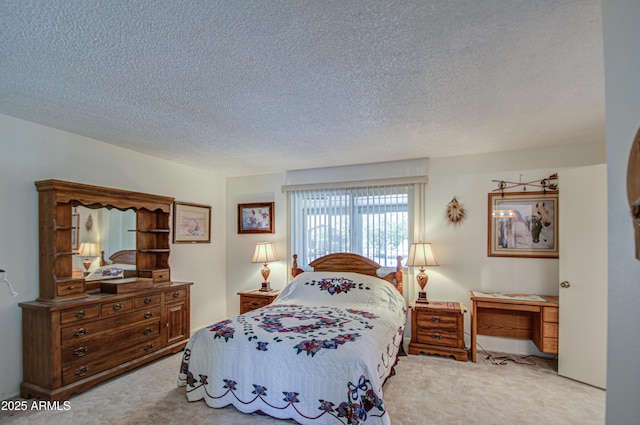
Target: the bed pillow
pixel 340 289
pixel 111 271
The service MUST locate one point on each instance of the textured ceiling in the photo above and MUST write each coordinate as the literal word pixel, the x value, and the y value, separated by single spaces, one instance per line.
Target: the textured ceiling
pixel 249 87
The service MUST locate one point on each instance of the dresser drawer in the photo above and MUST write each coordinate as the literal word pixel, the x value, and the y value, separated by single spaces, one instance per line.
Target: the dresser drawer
pixel 445 338
pixel 437 320
pixel 69 287
pixel 147 301
pixel 99 326
pixel 107 343
pixel 116 307
pixel 78 314
pixel 177 295
pixel 81 370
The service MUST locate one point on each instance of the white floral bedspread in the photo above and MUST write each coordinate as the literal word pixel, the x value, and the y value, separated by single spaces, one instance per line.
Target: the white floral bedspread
pixel 319 354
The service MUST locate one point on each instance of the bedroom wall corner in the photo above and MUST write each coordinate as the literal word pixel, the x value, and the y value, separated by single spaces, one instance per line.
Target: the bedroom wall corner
pixel 32 152
pixel 242 275
pixel 462 249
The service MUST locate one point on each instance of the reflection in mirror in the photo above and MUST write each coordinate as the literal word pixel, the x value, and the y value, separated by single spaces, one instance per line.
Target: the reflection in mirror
pixel 111 229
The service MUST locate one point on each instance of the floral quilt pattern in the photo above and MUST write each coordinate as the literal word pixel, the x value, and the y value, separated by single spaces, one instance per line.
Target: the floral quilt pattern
pixel 319 354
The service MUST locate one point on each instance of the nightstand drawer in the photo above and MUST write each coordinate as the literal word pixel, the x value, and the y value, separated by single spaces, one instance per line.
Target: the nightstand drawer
pixel 437 337
pixel 251 303
pixel 437 320
pixel 251 300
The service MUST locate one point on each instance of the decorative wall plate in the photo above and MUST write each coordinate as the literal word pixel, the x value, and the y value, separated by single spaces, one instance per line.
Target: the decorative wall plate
pixel 455 212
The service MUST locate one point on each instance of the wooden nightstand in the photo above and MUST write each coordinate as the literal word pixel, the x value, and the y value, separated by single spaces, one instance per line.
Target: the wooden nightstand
pixel 250 300
pixel 438 328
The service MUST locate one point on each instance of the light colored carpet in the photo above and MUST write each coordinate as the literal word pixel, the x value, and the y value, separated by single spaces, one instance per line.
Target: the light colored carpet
pixel 425 390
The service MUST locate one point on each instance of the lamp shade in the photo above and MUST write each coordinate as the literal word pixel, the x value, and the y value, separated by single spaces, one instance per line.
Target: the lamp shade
pixel 264 253
pixel 421 255
pixel 88 249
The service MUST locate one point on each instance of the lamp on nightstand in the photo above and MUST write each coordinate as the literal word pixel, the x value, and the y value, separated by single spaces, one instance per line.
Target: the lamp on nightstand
pixel 264 253
pixel 88 249
pixel 421 255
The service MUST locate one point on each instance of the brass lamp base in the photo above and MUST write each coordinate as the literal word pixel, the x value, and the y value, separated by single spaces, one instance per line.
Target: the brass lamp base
pixel 422 298
pixel 266 287
pixel 422 280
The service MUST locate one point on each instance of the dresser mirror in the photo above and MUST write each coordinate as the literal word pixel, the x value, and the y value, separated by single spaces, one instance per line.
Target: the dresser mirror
pixel 78 222
pixel 112 233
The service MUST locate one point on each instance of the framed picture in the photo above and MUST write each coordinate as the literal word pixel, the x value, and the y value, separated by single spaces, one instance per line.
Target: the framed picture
pixel 523 224
pixel 255 218
pixel 75 232
pixel 191 223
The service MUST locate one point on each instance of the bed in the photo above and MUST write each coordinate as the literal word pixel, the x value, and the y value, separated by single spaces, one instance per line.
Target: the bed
pixel 319 354
pixel 121 264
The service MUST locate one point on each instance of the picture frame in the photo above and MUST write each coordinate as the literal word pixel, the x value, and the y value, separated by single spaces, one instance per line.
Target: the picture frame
pixel 75 232
pixel 523 224
pixel 191 223
pixel 256 218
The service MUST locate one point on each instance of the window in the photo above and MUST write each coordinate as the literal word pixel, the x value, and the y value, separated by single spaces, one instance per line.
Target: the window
pixel 373 221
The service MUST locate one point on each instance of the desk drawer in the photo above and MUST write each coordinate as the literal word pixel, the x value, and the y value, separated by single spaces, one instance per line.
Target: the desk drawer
pixel 116 307
pixel 550 314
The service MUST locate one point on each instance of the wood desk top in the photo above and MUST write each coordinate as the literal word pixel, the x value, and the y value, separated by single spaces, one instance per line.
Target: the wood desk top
pixel 501 298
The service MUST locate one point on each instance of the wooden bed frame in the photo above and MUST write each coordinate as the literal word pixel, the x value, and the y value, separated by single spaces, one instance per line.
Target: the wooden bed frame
pixel 125 256
pixel 348 262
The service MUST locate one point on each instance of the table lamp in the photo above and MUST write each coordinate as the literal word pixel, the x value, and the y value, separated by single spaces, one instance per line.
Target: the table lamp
pixel 88 249
pixel 264 253
pixel 421 255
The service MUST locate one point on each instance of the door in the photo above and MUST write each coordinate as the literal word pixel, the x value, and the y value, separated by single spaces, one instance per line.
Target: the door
pixel 582 351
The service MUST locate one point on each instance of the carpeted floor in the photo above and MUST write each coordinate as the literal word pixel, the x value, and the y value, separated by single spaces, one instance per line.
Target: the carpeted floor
pixel 425 390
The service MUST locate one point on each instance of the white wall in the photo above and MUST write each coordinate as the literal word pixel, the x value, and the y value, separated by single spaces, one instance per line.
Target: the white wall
pixel 242 275
pixel 30 152
pixel 461 251
pixel 622 83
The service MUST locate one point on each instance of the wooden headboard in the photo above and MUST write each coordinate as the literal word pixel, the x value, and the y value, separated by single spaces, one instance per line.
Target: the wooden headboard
pixel 348 262
pixel 125 256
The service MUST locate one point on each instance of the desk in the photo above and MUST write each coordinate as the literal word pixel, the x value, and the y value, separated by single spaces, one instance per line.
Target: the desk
pixel 535 320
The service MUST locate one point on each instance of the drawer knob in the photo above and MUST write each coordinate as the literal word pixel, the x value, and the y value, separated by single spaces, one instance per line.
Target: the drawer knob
pixel 117 307
pixel 147 300
pixel 436 337
pixel 176 294
pixel 72 287
pixel 81 351
pixel 254 303
pixel 147 331
pixel 436 319
pixel 82 371
pixel 80 332
pixel 148 347
pixel 148 315
pixel 80 314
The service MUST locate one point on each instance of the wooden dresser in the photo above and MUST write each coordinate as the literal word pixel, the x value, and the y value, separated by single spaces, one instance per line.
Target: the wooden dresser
pixel 438 328
pixel 70 346
pixel 79 333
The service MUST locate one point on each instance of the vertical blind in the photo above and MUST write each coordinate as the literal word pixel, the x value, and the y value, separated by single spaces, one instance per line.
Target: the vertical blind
pixel 374 221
